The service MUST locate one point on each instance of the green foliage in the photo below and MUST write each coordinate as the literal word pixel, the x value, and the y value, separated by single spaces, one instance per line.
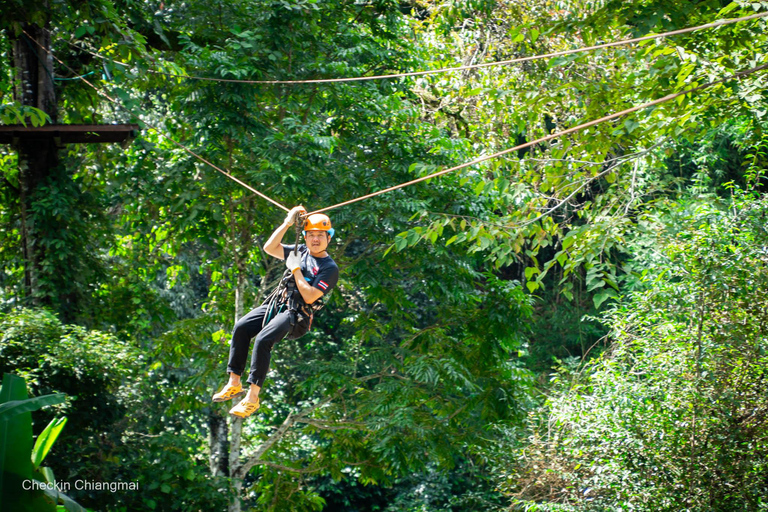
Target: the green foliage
pixel 19 461
pixel 673 416
pixel 118 430
pixel 443 367
pixel 569 203
pixel 46 439
pixel 465 487
pixel 68 223
pixel 48 217
pixel 14 407
pixel 562 329
pixel 13 113
pixel 423 360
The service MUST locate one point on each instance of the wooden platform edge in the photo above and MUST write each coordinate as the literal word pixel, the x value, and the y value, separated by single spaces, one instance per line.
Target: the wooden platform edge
pixel 69 133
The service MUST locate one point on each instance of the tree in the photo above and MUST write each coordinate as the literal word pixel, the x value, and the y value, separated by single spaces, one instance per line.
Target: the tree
pixel 119 428
pixel 672 416
pixel 320 143
pixel 569 203
pixel 417 362
pixel 53 222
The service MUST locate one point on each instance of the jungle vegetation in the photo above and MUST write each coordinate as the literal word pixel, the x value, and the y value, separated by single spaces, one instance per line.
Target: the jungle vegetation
pixel 581 325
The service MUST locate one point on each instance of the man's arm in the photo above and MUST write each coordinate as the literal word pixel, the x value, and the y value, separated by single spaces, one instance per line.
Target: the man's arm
pixel 308 292
pixel 325 281
pixel 273 247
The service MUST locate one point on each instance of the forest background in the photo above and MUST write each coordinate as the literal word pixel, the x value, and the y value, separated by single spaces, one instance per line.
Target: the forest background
pixel 581 325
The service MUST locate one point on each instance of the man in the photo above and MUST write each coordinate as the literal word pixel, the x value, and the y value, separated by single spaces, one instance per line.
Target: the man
pixel 313 275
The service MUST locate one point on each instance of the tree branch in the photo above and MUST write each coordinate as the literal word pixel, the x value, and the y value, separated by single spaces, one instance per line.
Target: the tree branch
pixel 254 459
pixel 287 468
pixel 330 425
pixel 277 435
pixel 241 470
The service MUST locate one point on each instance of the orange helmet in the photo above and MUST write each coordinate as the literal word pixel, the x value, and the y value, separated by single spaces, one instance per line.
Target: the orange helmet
pixel 318 222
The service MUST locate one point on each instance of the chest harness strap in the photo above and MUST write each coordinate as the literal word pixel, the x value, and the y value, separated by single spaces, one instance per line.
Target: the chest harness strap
pixel 286 295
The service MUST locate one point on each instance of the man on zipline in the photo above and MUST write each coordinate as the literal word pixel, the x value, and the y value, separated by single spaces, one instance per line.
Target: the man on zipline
pixel 313 274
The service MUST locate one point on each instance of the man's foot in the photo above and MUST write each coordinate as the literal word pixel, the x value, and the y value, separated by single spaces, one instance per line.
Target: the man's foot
pixel 228 393
pixel 244 408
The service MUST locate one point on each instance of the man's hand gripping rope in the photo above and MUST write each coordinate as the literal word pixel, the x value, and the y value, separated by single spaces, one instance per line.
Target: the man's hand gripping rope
pixel 295 217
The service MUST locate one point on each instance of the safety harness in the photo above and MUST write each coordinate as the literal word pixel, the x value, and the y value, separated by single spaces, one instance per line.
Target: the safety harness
pixel 286 296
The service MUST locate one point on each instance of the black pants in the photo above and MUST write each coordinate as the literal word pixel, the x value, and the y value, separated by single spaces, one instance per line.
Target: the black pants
pixel 248 327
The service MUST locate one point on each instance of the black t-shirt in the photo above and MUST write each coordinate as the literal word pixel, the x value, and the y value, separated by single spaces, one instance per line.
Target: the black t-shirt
pixel 322 273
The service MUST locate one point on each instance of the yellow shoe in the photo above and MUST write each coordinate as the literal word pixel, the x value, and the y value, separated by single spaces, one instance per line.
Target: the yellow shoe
pixel 228 393
pixel 244 408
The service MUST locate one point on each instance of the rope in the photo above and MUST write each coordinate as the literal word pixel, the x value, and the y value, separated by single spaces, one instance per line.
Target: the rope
pixel 225 173
pixel 75 77
pixel 297 222
pixel 168 137
pixel 445 70
pixel 666 98
pixel 580 127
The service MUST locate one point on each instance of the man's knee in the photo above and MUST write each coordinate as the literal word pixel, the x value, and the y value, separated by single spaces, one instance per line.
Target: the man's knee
pixel 240 325
pixel 245 330
pixel 263 344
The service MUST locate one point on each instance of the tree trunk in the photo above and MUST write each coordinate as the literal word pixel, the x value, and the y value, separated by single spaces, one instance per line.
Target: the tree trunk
pixel 219 443
pixel 236 424
pixel 240 291
pixel 33 87
pixel 234 464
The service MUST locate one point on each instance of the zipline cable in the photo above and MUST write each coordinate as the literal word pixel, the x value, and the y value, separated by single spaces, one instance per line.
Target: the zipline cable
pixel 166 136
pixel 580 127
pixel 225 173
pixel 583 126
pixel 714 24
